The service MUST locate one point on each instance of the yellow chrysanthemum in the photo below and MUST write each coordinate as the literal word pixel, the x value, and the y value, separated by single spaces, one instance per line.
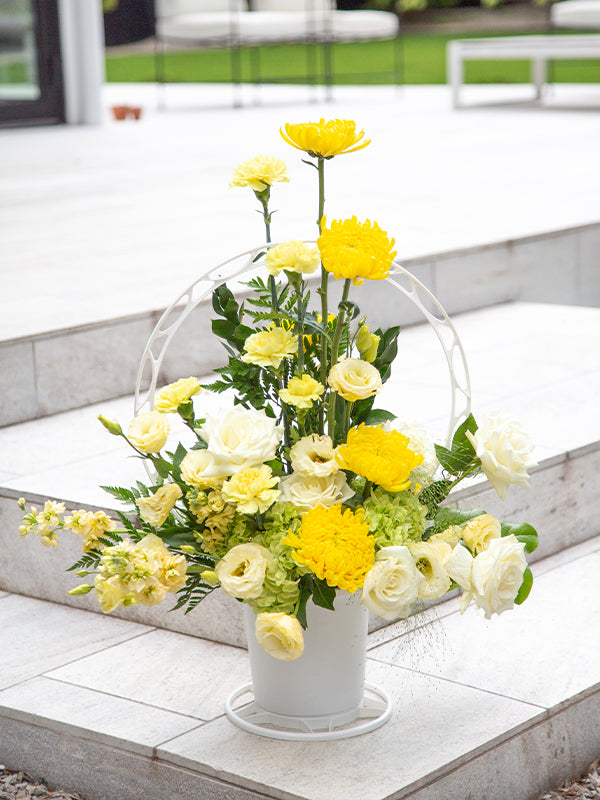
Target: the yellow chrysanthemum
pixel 302 392
pixel 382 457
pixel 327 139
pixel 269 348
pixel 335 545
pixel 357 250
pixel 259 172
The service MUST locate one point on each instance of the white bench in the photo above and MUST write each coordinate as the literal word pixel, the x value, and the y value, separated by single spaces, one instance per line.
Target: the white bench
pixel 536 49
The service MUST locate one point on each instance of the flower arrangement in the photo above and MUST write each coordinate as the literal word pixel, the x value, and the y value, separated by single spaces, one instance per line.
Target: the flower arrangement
pixel 303 488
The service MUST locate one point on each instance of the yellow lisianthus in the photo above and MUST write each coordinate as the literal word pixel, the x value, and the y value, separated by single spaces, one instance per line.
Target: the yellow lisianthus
pixel 293 256
pixel 269 348
pixel 356 250
pixel 302 392
pixel 326 139
pixel 382 457
pixel 335 545
pixel 175 394
pixel 259 172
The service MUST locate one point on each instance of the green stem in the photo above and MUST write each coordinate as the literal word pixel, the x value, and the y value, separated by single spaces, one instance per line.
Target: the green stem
pixel 322 291
pixel 300 330
pixel 339 324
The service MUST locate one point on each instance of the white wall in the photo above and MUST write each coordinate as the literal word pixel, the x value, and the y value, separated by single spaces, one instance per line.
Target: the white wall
pixel 82 43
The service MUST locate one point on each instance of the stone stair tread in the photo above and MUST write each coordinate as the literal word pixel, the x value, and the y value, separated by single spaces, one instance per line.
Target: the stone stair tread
pixel 480 707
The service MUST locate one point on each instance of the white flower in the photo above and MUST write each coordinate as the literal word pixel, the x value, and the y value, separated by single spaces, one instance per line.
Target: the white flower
pixel 314 455
pixel 419 441
pixel 241 571
pixel 280 635
pixel 430 558
pixel 309 491
pixel 354 379
pixel 504 450
pixel 149 431
pixel 240 438
pixel 201 468
pixel 392 584
pixel 493 578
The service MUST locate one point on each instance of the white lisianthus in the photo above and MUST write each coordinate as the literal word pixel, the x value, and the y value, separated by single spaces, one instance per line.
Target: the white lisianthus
pixel 240 437
pixel 155 509
pixel 504 450
pixel 493 578
pixel 354 379
pixel 479 532
pixel 149 431
pixel 201 468
pixel 280 635
pixel 241 571
pixel 429 558
pixel 392 584
pixel 309 491
pixel 314 455
pixel 419 441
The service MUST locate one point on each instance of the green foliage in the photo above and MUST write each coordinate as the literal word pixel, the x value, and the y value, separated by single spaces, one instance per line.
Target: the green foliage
pixel 523 532
pixel 322 595
pixel 525 589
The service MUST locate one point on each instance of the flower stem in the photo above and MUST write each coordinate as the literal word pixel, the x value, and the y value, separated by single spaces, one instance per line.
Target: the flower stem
pixel 323 290
pixel 339 324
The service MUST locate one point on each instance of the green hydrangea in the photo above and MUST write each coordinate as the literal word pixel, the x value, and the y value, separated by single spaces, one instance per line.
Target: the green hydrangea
pixel 394 519
pixel 280 593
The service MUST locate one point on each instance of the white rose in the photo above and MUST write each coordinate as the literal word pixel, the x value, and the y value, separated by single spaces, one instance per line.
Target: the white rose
pixel 241 572
pixel 497 574
pixel 504 450
pixel 419 441
pixel 280 635
pixel 493 578
pixel 241 438
pixel 392 584
pixel 309 491
pixel 314 455
pixel 354 379
pixel 430 558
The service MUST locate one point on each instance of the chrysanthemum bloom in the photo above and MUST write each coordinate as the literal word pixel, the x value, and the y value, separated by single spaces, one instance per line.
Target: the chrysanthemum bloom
pixel 269 348
pixel 175 394
pixel 335 545
pixel 326 139
pixel 356 250
pixel 293 256
pixel 251 489
pixel 379 456
pixel 259 172
pixel 302 392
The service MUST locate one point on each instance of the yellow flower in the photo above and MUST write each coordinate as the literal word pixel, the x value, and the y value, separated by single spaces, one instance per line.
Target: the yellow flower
pixel 314 455
pixel 356 250
pixel 201 468
pixel 293 256
pixel 280 635
pixel 327 139
pixel 379 456
pixel 251 489
pixel 175 394
pixel 269 348
pixel 367 343
pixel 91 526
pixel 302 392
pixel 149 431
pixel 479 532
pixel 259 172
pixel 335 545
pixel 354 379
pixel 155 509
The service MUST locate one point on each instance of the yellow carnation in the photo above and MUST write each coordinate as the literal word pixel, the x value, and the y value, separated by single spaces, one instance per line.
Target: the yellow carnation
pixel 326 139
pixel 356 250
pixel 155 509
pixel 335 545
pixel 149 431
pixel 293 256
pixel 269 348
pixel 382 457
pixel 302 392
pixel 259 172
pixel 251 489
pixel 175 394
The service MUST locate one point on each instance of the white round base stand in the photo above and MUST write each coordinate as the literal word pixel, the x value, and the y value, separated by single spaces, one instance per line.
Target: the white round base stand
pixel 374 711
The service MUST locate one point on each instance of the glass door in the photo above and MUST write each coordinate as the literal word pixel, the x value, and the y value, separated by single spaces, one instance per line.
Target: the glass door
pixel 31 82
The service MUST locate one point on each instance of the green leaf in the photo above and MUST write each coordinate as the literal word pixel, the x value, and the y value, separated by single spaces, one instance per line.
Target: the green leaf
pixel 351 309
pixel 305 586
pixel 524 532
pixel 377 416
pixel 453 516
pixel 162 467
pixel 523 592
pixel 323 594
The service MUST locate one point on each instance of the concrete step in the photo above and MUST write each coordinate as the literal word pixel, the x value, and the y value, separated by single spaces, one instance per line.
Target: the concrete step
pixel 482 709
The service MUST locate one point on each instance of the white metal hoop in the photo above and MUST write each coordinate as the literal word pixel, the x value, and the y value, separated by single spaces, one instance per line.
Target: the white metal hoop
pixel 234 268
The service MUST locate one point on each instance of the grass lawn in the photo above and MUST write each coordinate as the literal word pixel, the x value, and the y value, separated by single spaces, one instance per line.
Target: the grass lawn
pixel 423 59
